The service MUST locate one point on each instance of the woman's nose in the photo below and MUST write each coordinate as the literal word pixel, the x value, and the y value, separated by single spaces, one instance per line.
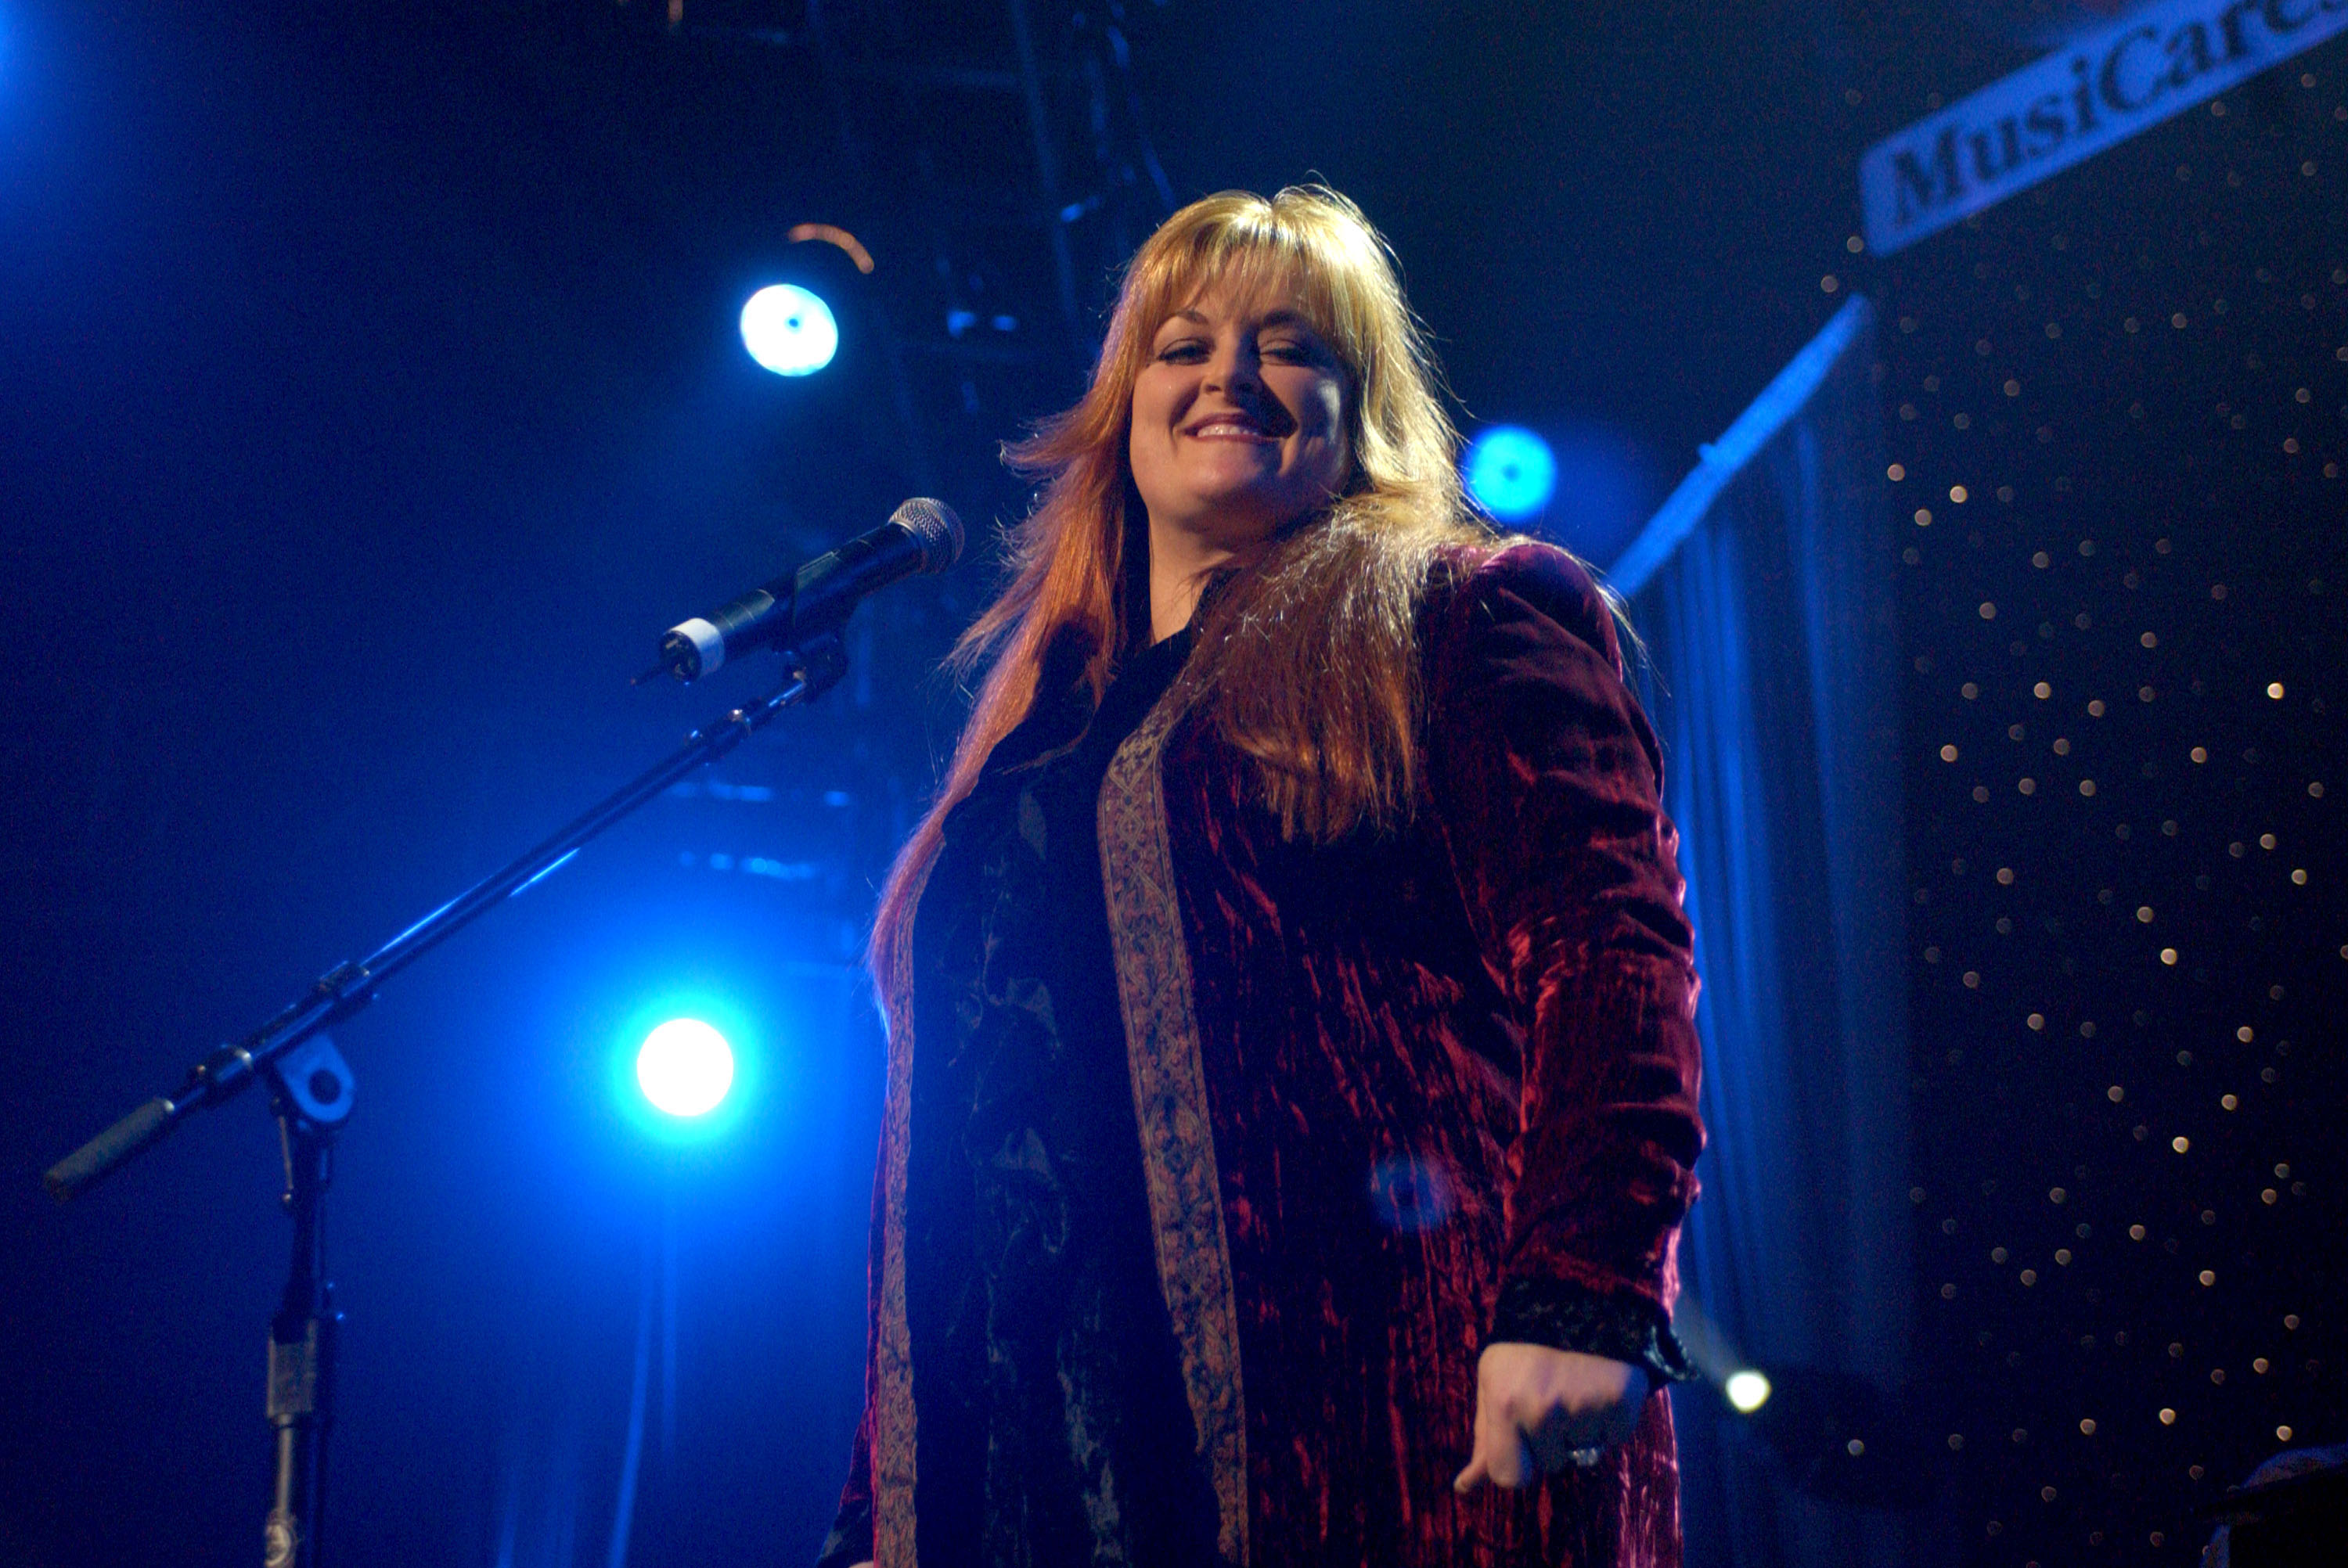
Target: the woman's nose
pixel 1233 368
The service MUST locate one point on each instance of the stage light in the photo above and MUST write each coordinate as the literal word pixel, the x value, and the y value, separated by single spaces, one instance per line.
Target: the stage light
pixel 789 330
pixel 685 1067
pixel 1747 1390
pixel 1510 471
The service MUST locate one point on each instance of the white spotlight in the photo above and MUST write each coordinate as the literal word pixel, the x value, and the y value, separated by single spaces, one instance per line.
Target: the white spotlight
pixel 1747 1390
pixel 789 330
pixel 685 1067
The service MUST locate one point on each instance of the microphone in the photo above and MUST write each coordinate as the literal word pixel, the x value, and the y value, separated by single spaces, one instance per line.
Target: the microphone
pixel 921 536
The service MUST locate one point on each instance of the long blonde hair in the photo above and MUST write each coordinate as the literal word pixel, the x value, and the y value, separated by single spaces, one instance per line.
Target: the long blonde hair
pixel 1308 661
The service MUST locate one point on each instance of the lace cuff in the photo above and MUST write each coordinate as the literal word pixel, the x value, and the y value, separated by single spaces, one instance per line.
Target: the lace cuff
pixel 1564 1316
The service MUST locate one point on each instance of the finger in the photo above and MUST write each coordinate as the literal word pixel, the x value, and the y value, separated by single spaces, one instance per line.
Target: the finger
pixel 1484 1444
pixel 1554 1438
pixel 1499 1458
pixel 1508 1463
pixel 1561 1441
pixel 1619 1421
pixel 1479 1468
pixel 1501 1440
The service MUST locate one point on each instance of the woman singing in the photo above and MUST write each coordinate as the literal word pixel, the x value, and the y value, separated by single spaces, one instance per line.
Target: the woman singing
pixel 1292 1076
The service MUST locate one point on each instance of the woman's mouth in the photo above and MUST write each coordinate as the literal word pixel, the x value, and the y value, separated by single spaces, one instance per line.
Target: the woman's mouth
pixel 1226 428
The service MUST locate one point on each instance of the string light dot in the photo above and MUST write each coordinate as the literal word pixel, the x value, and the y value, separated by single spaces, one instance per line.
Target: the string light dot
pixel 2178 581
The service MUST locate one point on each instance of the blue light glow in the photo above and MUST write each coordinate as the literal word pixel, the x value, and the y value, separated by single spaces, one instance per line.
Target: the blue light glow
pixel 789 330
pixel 1510 471
pixel 685 1067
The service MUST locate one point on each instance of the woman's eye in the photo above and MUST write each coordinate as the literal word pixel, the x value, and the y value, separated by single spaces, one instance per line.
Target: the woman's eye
pixel 1182 353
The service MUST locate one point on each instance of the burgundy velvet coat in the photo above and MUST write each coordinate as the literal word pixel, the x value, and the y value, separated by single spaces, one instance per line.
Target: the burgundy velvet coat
pixel 1378 1082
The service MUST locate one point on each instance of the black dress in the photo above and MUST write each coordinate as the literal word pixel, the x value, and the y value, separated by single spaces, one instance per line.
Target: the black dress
pixel 1053 1429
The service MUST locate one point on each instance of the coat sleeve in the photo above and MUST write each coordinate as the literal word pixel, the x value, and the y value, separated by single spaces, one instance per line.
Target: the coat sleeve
pixel 1544 781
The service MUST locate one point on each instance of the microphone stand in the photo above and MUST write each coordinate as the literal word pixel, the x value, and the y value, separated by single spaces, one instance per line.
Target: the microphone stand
pixel 310 1094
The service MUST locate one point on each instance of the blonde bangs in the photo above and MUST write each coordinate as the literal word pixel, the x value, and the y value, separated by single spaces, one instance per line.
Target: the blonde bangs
pixel 1309 247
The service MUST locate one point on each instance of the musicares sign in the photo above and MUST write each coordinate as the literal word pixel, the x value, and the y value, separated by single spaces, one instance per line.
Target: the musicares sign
pixel 2102 88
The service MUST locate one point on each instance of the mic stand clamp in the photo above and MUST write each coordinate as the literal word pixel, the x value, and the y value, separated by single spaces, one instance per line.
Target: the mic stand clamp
pixel 310 1093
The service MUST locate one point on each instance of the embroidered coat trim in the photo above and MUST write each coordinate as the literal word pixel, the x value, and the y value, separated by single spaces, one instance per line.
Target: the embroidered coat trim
pixel 889 1395
pixel 1170 1102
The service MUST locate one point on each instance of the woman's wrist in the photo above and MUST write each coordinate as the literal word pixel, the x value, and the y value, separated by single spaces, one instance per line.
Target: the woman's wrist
pixel 1564 1315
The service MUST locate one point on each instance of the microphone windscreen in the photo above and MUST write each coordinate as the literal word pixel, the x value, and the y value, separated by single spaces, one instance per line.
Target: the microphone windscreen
pixel 934 527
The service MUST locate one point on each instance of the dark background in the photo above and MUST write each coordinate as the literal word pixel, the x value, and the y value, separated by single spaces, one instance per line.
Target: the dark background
pixel 370 393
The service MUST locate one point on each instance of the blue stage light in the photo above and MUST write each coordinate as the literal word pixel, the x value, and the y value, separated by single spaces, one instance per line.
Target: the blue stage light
pixel 789 330
pixel 685 1067
pixel 1510 471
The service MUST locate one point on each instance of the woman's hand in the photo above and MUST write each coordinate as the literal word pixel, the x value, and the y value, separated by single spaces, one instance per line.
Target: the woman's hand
pixel 1537 1409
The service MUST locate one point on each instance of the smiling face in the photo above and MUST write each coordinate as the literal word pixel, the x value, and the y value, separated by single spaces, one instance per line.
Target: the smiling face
pixel 1238 426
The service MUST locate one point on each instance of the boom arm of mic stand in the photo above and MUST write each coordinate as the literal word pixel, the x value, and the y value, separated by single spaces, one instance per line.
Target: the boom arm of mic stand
pixel 342 991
